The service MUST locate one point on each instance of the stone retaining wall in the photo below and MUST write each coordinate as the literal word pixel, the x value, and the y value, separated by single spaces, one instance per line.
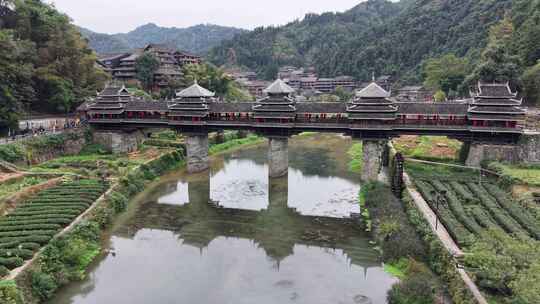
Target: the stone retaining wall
pixel 119 142
pixel 527 151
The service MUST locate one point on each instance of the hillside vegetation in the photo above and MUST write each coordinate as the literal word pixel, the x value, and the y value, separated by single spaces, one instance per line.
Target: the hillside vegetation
pixel 45 65
pixel 391 38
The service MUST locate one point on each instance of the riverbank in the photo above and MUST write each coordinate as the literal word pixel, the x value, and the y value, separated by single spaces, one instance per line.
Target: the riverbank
pixel 304 224
pixel 409 249
pixel 482 215
pixel 68 255
pixel 405 254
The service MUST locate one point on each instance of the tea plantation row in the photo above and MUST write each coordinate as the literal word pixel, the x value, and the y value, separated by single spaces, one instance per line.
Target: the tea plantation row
pixel 34 223
pixel 470 208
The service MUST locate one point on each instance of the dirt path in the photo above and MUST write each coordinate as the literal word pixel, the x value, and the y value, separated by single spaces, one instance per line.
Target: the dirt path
pixel 5 177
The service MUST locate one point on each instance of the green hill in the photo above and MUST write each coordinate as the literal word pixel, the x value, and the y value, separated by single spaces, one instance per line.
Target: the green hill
pixel 375 36
pixel 197 39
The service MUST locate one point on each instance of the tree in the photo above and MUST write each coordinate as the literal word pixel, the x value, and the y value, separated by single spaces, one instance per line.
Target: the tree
pixel 214 79
pixel 499 61
pixel 439 96
pixel 526 17
pixel 445 73
pixel 344 95
pixel 146 65
pixel 15 80
pixel 531 84
pixel 45 65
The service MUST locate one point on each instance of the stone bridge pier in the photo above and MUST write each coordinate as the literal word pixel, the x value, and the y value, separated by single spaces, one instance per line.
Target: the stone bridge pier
pixel 197 152
pixel 118 141
pixel 375 154
pixel 278 156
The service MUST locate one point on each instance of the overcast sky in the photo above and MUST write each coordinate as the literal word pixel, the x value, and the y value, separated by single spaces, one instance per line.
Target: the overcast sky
pixel 118 16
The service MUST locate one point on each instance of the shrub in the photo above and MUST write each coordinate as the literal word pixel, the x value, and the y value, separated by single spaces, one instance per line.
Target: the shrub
pixel 11 153
pixel 457 208
pixel 3 272
pixel 462 192
pixel 417 287
pixel 164 144
pixel 458 232
pixel 498 214
pixel 483 218
pixel 118 202
pixel 40 239
pixel 519 214
pixel 29 227
pixel 20 253
pixel 103 216
pixel 505 264
pixel 166 135
pixel 390 226
pixel 66 257
pixel 29 246
pixel 11 263
pixel 43 285
pixel 9 294
pixel 439 259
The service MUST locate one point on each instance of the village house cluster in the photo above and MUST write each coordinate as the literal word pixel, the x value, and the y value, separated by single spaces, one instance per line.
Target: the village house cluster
pixel 123 67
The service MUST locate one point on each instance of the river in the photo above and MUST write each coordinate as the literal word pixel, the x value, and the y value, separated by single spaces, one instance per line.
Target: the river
pixel 231 236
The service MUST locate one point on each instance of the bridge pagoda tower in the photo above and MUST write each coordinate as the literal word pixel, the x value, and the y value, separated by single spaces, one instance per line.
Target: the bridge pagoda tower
pixel 372 109
pixel 493 108
pixel 277 108
pixel 110 103
pixel 106 112
pixel 372 114
pixel 191 108
pixel 190 105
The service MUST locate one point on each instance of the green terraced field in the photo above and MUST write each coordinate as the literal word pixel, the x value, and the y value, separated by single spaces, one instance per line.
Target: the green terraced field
pixel 35 222
pixel 471 208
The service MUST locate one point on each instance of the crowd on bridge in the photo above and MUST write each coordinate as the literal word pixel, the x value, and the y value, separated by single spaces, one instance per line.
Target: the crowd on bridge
pixel 40 127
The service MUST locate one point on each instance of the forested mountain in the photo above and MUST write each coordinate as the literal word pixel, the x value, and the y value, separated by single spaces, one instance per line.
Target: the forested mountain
pixel 45 64
pixel 375 36
pixel 316 40
pixel 197 39
pixel 104 43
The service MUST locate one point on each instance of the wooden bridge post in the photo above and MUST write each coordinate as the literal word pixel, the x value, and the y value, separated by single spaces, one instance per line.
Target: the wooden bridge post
pixel 278 156
pixel 197 152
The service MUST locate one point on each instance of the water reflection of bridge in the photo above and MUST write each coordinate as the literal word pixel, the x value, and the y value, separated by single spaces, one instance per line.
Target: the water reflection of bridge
pixel 276 230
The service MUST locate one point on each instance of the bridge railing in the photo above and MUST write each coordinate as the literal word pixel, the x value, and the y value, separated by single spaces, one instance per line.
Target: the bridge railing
pixel 320 123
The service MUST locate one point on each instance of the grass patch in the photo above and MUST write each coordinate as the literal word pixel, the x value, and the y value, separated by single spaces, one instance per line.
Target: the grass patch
pixel 436 148
pixel 529 175
pixel 251 139
pixel 87 164
pixel 9 188
pixel 432 171
pixel 355 154
pixel 306 134
pixel 397 269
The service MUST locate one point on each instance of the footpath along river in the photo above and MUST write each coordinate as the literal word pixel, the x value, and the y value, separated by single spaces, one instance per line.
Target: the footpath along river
pixel 232 236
